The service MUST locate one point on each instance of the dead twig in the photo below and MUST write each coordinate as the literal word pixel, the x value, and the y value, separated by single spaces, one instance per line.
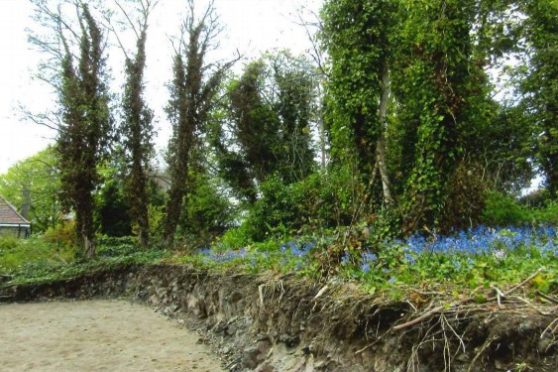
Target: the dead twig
pixel 419 319
pixel 531 277
pixel 552 327
pixel 485 346
pixel 548 298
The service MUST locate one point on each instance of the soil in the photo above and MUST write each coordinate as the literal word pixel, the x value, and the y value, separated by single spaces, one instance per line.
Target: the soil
pixel 97 335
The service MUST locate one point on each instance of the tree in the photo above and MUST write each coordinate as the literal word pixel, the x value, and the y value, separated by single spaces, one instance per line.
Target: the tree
pixel 136 127
pixel 540 87
pixel 83 121
pixel 254 123
pixel 294 83
pixel 193 92
pixel 32 186
pixel 433 89
pixel 265 130
pixel 358 39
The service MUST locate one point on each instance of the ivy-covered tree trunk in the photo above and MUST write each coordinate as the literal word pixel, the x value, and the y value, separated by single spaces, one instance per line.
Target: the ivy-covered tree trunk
pixel 436 76
pixel 84 137
pixel 358 36
pixel 138 130
pixel 179 149
pixel 193 92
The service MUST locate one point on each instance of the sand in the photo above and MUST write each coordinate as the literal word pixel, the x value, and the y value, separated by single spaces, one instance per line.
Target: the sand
pixel 97 336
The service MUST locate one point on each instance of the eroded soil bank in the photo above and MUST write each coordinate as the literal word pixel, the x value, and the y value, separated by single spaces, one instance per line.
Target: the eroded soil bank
pixel 97 335
pixel 285 323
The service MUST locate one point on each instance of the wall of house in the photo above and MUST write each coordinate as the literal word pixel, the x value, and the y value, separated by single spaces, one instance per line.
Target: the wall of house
pixel 18 232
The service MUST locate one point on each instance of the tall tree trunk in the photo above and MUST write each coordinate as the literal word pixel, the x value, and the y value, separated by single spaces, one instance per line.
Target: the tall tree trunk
pixel 84 216
pixel 176 198
pixel 140 209
pixel 381 143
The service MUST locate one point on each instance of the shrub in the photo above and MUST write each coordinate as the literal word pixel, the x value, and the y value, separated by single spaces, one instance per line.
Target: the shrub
pixel 64 234
pixel 504 210
pixel 319 201
pixel 35 252
pixel 547 215
pixel 235 238
pixel 8 243
pixel 207 212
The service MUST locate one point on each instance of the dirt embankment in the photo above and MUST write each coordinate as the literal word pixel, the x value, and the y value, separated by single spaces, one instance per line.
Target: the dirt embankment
pixel 285 323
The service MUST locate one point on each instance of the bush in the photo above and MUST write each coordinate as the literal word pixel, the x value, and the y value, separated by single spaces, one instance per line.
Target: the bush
pixel 504 210
pixel 64 234
pixel 35 252
pixel 235 238
pixel 547 215
pixel 8 243
pixel 319 201
pixel 207 212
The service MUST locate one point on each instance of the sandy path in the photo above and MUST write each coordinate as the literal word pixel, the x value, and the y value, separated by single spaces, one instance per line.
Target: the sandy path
pixel 96 336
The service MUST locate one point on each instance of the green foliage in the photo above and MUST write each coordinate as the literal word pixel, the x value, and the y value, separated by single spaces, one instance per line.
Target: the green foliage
pixel 64 234
pixel 276 211
pixel 117 246
pixel 267 123
pixel 8 243
pixel 84 138
pixel 112 207
pixel 38 260
pixel 539 88
pixel 321 200
pixel 194 92
pixel 437 70
pixel 234 238
pixel 32 186
pixel 357 36
pixel 207 211
pixel 137 132
pixel 547 215
pixel 465 200
pixel 503 210
pixel 32 254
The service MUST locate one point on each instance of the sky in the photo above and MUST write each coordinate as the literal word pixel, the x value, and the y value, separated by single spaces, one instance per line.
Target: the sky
pixel 250 26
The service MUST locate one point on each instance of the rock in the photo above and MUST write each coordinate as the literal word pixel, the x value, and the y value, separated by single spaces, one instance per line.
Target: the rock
pixel 265 337
pixel 251 357
pixel 289 341
pixel 265 367
pixel 255 355
pixel 321 365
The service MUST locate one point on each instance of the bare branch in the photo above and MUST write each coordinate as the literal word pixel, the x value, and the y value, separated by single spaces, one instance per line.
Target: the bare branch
pixel 131 23
pixel 42 119
pixel 316 54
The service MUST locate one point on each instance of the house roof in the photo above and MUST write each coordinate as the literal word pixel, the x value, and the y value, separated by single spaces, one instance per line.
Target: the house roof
pixel 9 215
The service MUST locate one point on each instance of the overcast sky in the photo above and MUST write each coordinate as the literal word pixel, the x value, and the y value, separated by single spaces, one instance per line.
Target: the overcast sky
pixel 251 26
